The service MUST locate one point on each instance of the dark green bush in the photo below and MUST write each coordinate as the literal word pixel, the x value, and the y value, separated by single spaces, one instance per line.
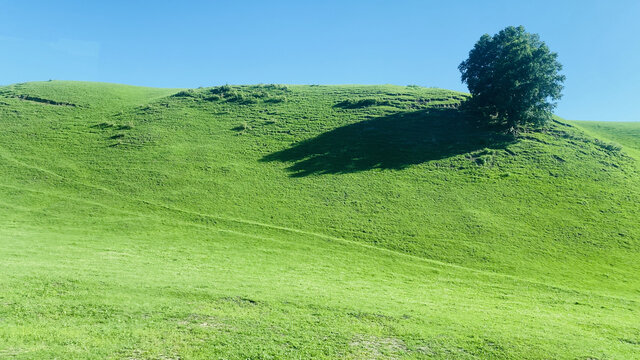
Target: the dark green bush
pixel 356 104
pixel 608 146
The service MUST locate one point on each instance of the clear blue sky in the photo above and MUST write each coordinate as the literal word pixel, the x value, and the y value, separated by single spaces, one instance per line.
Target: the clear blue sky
pixel 205 43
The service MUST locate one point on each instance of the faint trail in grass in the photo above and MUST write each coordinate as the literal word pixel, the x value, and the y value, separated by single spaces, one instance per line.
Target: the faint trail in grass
pixel 429 263
pixel 7 156
pixel 135 214
pixel 264 225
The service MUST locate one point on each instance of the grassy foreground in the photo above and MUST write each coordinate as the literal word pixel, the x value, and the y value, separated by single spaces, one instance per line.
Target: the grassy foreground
pixel 268 222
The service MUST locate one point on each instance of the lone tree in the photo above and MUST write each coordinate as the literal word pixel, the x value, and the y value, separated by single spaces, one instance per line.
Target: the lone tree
pixel 513 78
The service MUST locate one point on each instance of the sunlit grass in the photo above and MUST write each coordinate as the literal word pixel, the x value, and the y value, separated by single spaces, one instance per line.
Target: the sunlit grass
pixel 308 222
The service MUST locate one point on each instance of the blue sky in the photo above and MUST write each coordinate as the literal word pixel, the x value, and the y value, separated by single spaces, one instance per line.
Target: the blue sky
pixel 205 43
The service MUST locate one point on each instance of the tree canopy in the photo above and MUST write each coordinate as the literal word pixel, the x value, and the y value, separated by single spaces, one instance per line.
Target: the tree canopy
pixel 513 78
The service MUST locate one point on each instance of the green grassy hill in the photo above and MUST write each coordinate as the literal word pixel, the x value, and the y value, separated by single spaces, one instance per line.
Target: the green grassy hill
pixel 267 222
pixel 624 133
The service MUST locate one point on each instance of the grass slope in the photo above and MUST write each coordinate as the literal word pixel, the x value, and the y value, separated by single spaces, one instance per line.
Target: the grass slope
pixel 626 134
pixel 308 221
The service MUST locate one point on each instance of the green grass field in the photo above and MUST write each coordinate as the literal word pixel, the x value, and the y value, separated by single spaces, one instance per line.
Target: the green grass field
pixel 270 222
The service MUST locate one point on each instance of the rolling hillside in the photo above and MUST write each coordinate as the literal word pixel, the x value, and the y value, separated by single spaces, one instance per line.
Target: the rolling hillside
pixel 624 133
pixel 276 221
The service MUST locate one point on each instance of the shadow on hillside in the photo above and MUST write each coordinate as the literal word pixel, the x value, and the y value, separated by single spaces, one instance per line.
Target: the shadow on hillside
pixel 389 142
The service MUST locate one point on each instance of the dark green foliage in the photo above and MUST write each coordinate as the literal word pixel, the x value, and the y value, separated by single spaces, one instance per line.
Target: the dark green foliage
pixel 356 104
pixel 513 79
pixel 185 93
pixel 608 146
pixel 244 95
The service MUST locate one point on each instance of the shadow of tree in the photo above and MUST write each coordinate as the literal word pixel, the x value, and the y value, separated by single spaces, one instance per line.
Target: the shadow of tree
pixel 389 142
